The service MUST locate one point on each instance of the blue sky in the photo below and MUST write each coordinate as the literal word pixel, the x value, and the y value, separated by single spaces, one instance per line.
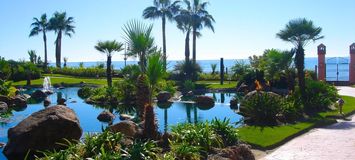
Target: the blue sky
pixel 243 27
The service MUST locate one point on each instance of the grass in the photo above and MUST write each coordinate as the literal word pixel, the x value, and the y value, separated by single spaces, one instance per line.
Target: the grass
pixel 216 84
pixel 57 79
pixel 268 137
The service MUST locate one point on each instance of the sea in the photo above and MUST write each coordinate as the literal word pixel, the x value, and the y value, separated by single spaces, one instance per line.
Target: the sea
pixel 334 65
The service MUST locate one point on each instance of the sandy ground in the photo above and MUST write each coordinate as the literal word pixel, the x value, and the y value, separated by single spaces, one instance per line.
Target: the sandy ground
pixel 335 142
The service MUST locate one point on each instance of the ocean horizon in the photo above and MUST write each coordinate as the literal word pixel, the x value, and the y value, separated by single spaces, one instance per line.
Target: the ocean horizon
pixel 310 64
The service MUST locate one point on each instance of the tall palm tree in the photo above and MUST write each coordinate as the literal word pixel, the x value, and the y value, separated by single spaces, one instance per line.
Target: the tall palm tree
pixel 163 9
pixel 61 24
pixel 200 18
pixel 140 41
pixel 38 26
pixel 300 32
pixel 183 20
pixel 108 47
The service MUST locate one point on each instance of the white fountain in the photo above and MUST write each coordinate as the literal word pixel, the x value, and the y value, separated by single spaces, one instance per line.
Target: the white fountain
pixel 47 87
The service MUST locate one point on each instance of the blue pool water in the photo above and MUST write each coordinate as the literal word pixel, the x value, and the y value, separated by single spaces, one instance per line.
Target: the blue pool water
pixel 87 114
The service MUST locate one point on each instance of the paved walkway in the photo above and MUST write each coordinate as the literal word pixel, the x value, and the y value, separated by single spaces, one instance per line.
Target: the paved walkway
pixel 335 142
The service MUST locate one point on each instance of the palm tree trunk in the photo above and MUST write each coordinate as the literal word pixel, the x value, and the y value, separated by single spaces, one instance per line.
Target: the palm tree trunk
pixel 108 71
pixel 58 49
pixel 164 41
pixel 187 46
pixel 300 71
pixel 194 45
pixel 45 50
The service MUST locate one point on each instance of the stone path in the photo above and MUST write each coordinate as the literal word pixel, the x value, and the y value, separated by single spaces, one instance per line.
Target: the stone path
pixel 335 142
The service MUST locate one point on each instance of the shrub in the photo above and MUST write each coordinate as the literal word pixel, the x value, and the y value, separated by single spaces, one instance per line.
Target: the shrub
pixel 168 86
pixel 125 91
pixel 189 86
pixel 261 107
pixel 131 72
pixel 201 135
pixel 80 71
pixel 226 131
pixel 319 95
pixel 186 71
pixel 85 92
pixel 6 89
pixel 291 109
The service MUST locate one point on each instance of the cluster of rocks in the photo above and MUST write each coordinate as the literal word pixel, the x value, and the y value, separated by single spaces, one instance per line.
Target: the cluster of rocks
pixel 19 101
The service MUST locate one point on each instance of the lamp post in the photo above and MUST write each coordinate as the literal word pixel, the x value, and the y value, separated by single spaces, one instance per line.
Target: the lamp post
pixel 125 55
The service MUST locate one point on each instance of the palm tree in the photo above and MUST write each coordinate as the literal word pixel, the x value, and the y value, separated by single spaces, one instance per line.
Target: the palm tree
pixel 300 32
pixel 61 24
pixel 163 9
pixel 183 20
pixel 155 72
pixel 108 47
pixel 140 41
pixel 33 56
pixel 199 18
pixel 38 26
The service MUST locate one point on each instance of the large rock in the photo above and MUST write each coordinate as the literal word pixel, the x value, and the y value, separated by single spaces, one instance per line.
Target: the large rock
pixel 106 116
pixel 234 103
pixel 61 101
pixel 5 99
pixel 163 96
pixel 128 128
pixel 240 152
pixel 3 107
pixel 204 101
pixel 42 131
pixel 47 102
pixel 39 94
pixel 19 101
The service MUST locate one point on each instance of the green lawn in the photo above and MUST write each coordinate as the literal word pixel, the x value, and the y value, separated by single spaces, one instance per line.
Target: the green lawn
pixel 216 84
pixel 70 80
pixel 269 137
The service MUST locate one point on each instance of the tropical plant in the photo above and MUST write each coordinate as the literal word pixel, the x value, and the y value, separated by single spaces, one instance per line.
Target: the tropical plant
pixel 200 134
pixel 155 72
pixel 183 20
pixel 150 130
pixel 240 69
pixel 199 18
pixel 163 9
pixel 41 25
pixel 33 56
pixel 261 107
pixel 6 88
pixel 131 72
pixel 108 47
pixel 140 41
pixel 300 32
pixel 213 67
pixel 226 131
pixel 61 24
pixel 5 69
pixel 142 150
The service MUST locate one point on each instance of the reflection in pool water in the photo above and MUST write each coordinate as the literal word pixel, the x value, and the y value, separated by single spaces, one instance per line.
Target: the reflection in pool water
pixel 167 114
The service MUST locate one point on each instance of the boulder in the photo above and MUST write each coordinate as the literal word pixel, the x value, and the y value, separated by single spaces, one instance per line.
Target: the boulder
pixel 19 101
pixel 47 102
pixel 163 96
pixel 2 144
pixel 42 131
pixel 106 116
pixel 234 102
pixel 3 107
pixel 61 101
pixel 128 128
pixel 39 95
pixel 204 101
pixel 5 99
